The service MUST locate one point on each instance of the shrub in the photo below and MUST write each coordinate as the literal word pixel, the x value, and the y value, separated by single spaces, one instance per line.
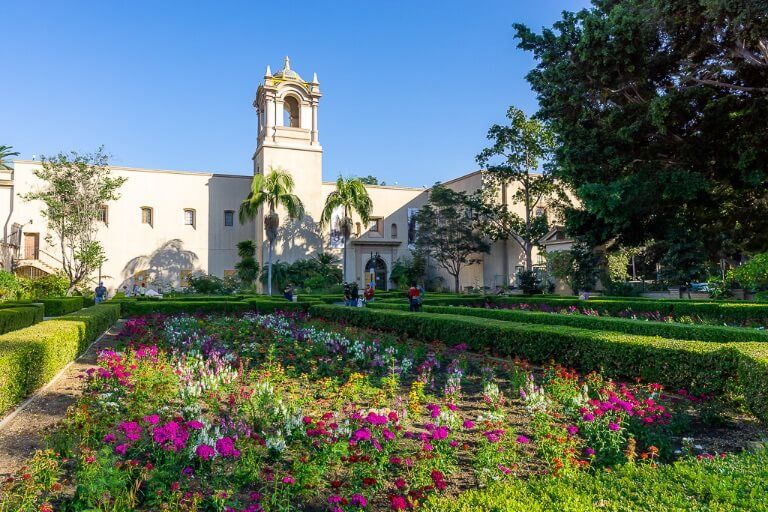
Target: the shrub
pixel 701 366
pixel 727 484
pixel 167 307
pixel 530 282
pixel 30 357
pixel 641 327
pixel 55 306
pixel 12 319
pixel 209 284
pixel 752 274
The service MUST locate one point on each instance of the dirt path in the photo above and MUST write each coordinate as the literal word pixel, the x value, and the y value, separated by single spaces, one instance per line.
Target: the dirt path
pixel 24 433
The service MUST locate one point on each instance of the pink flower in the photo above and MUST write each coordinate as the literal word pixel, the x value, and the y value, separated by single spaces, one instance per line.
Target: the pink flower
pixel 205 452
pixel 589 417
pixel 468 424
pixel 108 438
pixel 288 479
pixel 362 434
pixel 388 435
pixel 152 419
pixel 400 483
pixel 131 429
pixel 376 419
pixel 121 449
pixel 613 426
pixel 194 425
pixel 523 440
pixel 572 430
pixel 440 433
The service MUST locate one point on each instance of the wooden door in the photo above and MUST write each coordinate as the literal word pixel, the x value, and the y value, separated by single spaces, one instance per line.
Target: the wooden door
pixel 31 245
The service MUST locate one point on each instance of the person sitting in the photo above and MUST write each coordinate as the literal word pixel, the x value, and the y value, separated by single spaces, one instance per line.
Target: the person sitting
pixel 288 292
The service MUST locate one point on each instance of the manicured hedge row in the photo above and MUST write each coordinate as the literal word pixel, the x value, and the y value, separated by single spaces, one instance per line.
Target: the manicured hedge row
pixel 699 366
pixel 730 312
pixel 626 325
pixel 731 484
pixel 13 319
pixel 168 307
pixel 30 357
pixel 54 306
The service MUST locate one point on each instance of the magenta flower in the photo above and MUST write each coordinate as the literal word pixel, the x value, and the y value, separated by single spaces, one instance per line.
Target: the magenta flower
pixel 205 452
pixel 121 449
pixel 108 438
pixel 358 500
pixel 194 425
pixel 131 429
pixel 523 440
pixel 288 479
pixel 398 503
pixel 572 430
pixel 468 424
pixel 376 419
pixel 362 434
pixel 152 419
pixel 226 448
pixel 613 426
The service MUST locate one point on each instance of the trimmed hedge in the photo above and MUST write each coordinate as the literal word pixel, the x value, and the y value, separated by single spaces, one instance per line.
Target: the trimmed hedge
pixel 32 356
pixel 700 366
pixel 169 307
pixel 54 306
pixel 728 312
pixel 626 325
pixel 737 482
pixel 13 319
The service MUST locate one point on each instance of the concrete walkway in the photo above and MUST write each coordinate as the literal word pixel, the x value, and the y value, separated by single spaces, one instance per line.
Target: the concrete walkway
pixel 23 430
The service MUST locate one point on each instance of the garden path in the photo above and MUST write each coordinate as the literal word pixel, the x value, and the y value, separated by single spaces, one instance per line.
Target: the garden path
pixel 23 431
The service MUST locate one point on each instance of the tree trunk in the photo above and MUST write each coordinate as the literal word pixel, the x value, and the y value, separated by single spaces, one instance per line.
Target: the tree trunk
pixel 71 289
pixel 456 282
pixel 528 257
pixel 344 262
pixel 269 270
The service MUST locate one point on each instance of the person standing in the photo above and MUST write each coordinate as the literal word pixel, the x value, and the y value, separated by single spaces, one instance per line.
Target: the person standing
pixel 100 293
pixel 414 298
pixel 369 293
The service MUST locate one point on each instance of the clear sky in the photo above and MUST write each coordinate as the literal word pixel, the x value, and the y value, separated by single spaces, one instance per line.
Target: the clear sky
pixel 409 88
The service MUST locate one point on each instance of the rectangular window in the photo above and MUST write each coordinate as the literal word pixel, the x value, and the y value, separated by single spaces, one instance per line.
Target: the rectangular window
pixel 104 214
pixel 412 226
pixel 146 215
pixel 376 225
pixel 189 217
pixel 184 277
pixel 229 218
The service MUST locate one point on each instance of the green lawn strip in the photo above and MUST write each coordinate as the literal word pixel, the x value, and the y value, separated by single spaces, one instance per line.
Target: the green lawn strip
pixel 735 483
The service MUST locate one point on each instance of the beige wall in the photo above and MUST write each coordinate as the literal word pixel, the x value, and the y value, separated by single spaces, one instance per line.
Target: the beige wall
pixel 168 246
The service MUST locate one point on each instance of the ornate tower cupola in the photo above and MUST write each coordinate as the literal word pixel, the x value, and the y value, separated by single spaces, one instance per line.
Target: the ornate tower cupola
pixel 287 108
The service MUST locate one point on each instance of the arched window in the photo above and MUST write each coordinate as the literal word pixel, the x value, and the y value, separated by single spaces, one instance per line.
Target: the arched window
pixel 189 217
pixel 146 215
pixel 291 112
pixel 393 230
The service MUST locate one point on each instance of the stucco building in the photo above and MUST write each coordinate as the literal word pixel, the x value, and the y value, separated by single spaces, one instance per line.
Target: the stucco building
pixel 168 224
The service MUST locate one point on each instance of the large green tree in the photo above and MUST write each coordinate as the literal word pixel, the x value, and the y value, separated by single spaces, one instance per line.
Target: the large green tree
pixel 351 197
pixel 74 189
pixel 449 233
pixel 271 191
pixel 660 109
pixel 514 161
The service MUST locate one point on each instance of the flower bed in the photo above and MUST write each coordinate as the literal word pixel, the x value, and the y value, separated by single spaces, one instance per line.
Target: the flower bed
pixel 279 412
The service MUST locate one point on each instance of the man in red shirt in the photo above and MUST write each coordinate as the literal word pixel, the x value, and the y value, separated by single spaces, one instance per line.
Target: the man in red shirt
pixel 414 298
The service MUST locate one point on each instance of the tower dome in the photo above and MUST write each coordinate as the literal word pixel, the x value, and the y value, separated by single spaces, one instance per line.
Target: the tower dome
pixel 287 73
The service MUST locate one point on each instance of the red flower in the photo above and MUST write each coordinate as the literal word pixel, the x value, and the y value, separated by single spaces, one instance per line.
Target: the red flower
pixel 398 503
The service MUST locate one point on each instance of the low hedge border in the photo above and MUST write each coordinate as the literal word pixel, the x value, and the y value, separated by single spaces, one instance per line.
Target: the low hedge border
pixel 168 307
pixel 13 319
pixel 626 325
pixel 32 356
pixel 695 365
pixel 54 306
pixel 736 482
pixel 728 312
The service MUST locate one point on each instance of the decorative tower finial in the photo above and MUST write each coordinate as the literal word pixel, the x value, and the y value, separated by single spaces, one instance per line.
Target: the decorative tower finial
pixel 287 63
pixel 314 78
pixel 268 73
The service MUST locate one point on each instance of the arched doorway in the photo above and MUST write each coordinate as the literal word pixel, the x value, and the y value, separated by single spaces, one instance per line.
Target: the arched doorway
pixel 376 270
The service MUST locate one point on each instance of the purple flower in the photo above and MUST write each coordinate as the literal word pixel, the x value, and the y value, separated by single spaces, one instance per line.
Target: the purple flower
pixel 152 419
pixel 613 426
pixel 440 433
pixel 194 425
pixel 589 452
pixel 523 440
pixel 108 438
pixel 362 434
pixel 376 419
pixel 288 479
pixel 588 417
pixel 121 449
pixel 572 430
pixel 131 429
pixel 468 424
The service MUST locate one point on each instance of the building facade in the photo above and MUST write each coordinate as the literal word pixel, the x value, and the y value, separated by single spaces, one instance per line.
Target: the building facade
pixel 169 224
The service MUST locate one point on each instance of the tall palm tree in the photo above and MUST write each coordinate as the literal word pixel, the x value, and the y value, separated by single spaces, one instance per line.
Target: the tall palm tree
pixel 271 190
pixel 5 152
pixel 352 197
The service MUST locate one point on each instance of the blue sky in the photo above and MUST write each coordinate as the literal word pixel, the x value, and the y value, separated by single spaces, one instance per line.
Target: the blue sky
pixel 410 88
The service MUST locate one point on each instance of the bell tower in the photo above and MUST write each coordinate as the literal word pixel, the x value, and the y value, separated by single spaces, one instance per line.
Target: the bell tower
pixel 286 107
